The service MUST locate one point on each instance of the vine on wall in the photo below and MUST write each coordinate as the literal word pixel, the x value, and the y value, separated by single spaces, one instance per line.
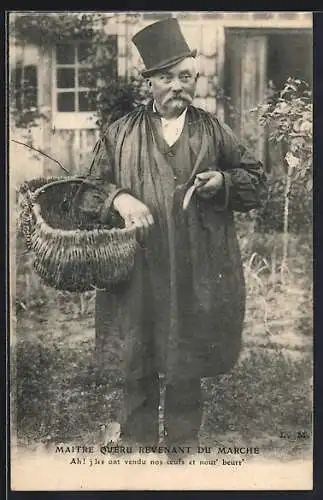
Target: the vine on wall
pixel 48 29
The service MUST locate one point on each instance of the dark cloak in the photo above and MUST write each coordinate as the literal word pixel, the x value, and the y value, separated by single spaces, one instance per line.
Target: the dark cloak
pixel 184 304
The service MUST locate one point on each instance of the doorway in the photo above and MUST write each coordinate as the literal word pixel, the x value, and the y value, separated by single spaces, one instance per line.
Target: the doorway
pixel 253 59
pixel 289 54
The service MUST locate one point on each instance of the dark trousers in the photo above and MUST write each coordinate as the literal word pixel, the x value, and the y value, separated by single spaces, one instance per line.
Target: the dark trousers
pixel 182 411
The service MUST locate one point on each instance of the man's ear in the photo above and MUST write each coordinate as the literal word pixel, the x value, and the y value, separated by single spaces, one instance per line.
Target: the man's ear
pixel 197 75
pixel 148 81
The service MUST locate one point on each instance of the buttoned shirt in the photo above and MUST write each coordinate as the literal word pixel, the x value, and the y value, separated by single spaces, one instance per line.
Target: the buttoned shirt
pixel 172 127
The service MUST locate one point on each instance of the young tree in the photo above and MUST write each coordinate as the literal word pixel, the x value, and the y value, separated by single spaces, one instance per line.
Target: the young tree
pixel 288 116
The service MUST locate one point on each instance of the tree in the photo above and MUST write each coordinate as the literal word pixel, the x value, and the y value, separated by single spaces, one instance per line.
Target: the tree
pixel 288 116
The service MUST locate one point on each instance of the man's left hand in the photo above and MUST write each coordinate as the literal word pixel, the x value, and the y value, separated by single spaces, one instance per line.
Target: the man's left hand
pixel 208 183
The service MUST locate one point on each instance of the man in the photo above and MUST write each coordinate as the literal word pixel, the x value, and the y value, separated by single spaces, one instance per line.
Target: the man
pixel 181 313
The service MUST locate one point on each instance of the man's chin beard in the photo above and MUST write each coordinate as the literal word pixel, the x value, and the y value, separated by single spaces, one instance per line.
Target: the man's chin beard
pixel 174 107
pixel 177 103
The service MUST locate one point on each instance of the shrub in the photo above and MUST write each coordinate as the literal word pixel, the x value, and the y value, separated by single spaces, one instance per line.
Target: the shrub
pixel 118 97
pixel 287 116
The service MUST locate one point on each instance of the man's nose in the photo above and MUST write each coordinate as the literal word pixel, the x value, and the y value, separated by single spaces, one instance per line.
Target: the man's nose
pixel 176 84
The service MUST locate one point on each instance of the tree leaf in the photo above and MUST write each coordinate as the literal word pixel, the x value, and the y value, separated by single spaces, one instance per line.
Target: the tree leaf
pixel 292 160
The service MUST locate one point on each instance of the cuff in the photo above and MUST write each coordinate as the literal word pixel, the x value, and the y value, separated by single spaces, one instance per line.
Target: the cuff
pixel 225 193
pixel 107 205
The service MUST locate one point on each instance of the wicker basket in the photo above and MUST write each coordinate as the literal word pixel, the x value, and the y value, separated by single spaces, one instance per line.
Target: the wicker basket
pixel 72 251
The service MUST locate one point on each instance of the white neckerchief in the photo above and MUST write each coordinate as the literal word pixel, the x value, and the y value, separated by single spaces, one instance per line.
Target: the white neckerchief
pixel 173 127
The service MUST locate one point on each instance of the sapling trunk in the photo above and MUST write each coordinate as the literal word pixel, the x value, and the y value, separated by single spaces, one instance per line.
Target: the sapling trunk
pixel 285 231
pixel 292 162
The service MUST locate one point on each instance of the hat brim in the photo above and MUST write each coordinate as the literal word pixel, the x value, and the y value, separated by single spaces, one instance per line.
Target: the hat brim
pixel 166 64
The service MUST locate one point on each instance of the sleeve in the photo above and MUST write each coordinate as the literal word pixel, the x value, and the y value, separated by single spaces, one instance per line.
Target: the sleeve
pixel 244 179
pixel 102 171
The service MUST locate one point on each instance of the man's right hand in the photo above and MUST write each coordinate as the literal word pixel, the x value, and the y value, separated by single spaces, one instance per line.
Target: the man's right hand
pixel 134 212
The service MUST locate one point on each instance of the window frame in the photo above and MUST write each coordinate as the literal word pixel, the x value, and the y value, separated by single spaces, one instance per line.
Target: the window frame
pixel 70 120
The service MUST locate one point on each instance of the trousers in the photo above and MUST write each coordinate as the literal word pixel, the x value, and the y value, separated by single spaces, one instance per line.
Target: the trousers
pixel 143 355
pixel 182 411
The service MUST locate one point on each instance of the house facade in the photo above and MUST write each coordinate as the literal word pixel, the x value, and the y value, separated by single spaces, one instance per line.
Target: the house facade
pixel 238 54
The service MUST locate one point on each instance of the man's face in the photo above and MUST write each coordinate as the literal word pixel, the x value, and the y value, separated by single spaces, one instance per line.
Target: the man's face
pixel 174 88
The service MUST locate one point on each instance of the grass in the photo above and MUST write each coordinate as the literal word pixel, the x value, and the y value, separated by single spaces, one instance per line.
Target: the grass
pixel 267 393
pixel 60 394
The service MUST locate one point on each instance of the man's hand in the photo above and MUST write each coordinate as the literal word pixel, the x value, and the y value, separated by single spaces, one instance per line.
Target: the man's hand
pixel 134 212
pixel 208 183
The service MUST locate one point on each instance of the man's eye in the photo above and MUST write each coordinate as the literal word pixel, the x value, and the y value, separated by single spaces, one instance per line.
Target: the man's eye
pixel 165 78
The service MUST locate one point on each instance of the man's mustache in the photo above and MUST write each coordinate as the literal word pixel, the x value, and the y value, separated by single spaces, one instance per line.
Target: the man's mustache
pixel 183 97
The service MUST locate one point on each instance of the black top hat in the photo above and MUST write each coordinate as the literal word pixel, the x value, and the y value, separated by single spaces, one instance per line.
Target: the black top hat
pixel 161 44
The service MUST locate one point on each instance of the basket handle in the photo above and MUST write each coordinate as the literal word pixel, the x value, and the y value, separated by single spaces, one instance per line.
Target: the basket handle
pixel 81 180
pixel 42 153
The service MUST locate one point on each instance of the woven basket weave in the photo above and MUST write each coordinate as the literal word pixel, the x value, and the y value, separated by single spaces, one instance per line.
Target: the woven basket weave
pixel 72 251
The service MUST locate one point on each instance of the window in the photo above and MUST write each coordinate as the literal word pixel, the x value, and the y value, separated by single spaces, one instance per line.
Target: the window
pixel 24 82
pixel 74 86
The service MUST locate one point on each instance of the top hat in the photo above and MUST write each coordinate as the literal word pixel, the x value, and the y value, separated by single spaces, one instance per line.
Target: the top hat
pixel 161 44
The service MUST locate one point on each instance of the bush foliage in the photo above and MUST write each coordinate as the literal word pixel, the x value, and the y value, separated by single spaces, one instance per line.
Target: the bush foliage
pixel 287 117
